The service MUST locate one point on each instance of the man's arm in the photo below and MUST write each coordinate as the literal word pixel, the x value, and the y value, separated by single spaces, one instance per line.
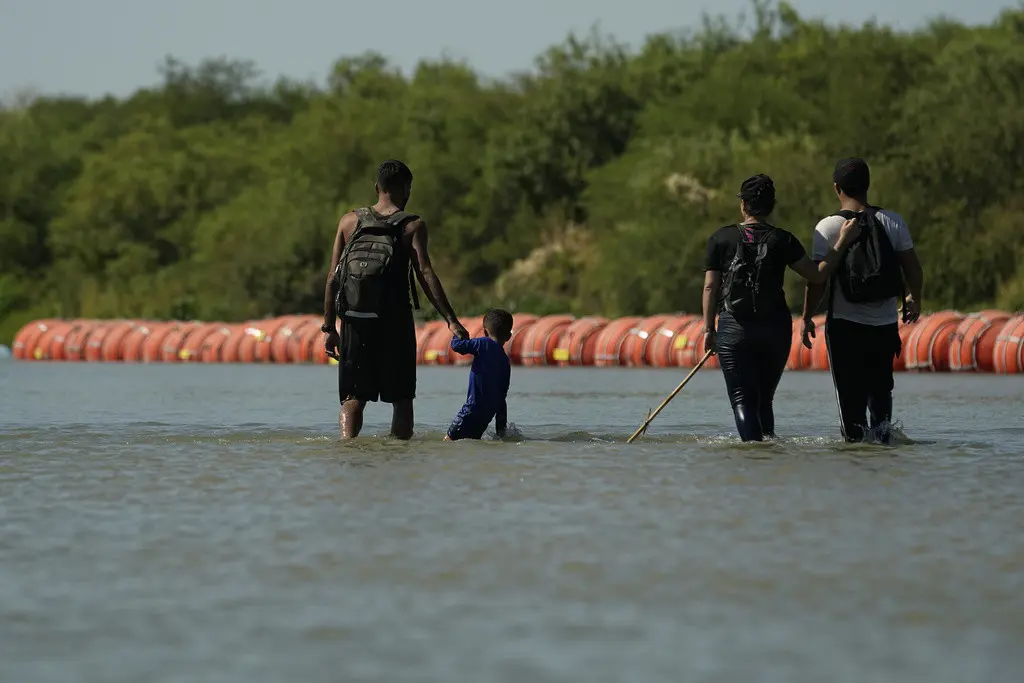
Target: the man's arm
pixel 330 314
pixel 821 246
pixel 913 275
pixel 428 279
pixel 813 294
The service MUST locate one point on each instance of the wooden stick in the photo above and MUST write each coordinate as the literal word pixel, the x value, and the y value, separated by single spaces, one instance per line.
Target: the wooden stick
pixel 671 396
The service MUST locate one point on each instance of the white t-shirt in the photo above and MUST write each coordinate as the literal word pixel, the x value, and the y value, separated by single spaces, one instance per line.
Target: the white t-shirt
pixel 826 234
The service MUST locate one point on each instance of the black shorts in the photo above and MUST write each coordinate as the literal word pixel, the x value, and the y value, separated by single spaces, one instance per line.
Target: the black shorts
pixel 378 359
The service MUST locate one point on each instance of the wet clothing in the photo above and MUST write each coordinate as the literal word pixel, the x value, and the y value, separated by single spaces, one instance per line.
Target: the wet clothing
pixel 753 357
pixel 378 355
pixel 862 338
pixel 753 351
pixel 378 359
pixel 861 359
pixel 489 378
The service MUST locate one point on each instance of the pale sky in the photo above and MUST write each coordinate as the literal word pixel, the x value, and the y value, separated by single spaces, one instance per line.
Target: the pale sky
pixel 94 47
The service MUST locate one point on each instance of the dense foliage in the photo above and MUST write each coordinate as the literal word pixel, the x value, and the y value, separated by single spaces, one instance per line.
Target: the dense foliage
pixel 589 185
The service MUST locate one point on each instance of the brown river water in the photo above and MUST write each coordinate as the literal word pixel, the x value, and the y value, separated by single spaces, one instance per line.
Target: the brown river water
pixel 166 523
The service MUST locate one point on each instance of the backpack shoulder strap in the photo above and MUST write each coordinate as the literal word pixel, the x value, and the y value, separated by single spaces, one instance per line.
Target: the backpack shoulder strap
pixel 364 219
pixel 400 218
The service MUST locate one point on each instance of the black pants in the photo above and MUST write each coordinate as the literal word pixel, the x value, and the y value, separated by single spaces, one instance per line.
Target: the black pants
pixel 753 357
pixel 861 358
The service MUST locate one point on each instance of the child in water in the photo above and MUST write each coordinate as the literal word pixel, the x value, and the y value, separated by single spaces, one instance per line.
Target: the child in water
pixel 488 379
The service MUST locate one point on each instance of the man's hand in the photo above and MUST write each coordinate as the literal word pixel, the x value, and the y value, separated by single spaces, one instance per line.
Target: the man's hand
pixel 710 340
pixel 456 328
pixel 808 332
pixel 331 343
pixel 911 310
pixel 848 234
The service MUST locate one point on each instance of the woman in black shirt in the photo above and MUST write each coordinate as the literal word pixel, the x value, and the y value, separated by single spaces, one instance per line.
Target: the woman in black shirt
pixel 744 272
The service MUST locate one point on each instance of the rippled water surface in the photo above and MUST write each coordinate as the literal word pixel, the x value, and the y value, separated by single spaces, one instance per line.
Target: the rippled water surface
pixel 203 523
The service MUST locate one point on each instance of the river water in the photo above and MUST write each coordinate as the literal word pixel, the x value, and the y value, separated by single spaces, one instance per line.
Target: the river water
pixel 195 523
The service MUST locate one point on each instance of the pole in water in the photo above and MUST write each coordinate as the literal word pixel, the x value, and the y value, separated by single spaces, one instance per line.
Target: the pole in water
pixel 650 416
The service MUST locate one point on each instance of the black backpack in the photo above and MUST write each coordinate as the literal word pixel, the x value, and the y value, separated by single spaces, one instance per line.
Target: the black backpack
pixel 741 289
pixel 869 271
pixel 365 277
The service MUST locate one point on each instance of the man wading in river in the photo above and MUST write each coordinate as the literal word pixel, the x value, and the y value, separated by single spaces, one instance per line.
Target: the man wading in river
pixel 376 252
pixel 862 324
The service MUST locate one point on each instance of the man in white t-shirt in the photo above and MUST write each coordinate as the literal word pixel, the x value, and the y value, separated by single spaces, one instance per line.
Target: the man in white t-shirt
pixel 863 338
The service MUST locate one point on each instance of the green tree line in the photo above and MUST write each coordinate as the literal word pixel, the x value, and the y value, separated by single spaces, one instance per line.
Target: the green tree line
pixel 588 185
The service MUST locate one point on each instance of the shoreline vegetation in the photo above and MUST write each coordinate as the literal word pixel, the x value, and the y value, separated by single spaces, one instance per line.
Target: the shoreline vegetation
pixel 588 186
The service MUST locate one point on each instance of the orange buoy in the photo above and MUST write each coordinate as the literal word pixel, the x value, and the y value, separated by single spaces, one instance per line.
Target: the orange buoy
pixel 794 362
pixel 423 334
pixel 972 348
pixel 475 328
pixel 578 341
pixel 608 346
pixel 634 346
pixel 542 338
pixel 113 342
pixel 74 343
pixel 131 347
pixel 213 342
pixel 280 340
pixel 191 348
pixel 94 343
pixel 50 345
pixel 250 337
pixel 173 342
pixel 268 327
pixel 152 345
pixel 298 343
pixel 521 324
pixel 437 347
pixel 682 346
pixel 660 350
pixel 928 347
pixel 229 350
pixel 1008 353
pixel 26 341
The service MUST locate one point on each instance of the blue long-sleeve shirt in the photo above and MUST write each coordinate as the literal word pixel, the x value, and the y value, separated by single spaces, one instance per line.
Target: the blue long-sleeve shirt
pixel 489 377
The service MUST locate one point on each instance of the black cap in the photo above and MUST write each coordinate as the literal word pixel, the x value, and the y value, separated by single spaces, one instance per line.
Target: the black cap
pixel 852 176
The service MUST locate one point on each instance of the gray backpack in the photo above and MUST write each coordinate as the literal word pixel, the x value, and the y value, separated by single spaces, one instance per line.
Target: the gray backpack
pixel 365 277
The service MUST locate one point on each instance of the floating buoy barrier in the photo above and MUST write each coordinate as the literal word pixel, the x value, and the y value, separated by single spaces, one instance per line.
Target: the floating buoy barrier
pixel 943 341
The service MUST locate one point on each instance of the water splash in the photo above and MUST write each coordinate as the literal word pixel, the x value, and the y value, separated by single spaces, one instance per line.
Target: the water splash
pixel 887 434
pixel 512 434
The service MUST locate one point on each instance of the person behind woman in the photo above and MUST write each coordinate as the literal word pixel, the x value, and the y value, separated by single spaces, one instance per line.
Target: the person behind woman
pixel 744 272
